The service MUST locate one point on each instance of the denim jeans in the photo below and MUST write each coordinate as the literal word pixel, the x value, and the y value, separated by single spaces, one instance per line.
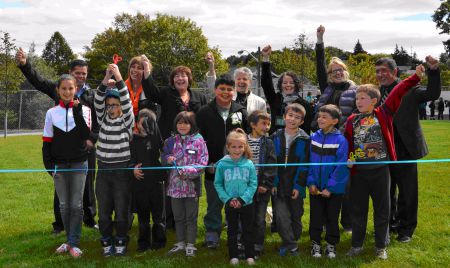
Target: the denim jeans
pixel 213 216
pixel 260 223
pixel 113 194
pixel 69 186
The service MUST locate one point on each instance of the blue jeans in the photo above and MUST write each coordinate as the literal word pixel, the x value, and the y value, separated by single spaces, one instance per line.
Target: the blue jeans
pixel 69 186
pixel 213 216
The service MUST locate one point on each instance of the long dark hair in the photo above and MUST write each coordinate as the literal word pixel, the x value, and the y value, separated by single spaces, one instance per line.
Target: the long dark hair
pixel 150 127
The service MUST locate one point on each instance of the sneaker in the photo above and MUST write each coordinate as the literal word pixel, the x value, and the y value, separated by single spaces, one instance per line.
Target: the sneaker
pixel 234 261
pixel 316 251
pixel 178 247
pixel 403 238
pixel 212 244
pixel 251 261
pixel 75 252
pixel 381 253
pixel 120 247
pixel 330 251
pixel 190 250
pixel 354 251
pixel 294 252
pixel 258 254
pixel 108 248
pixel 63 248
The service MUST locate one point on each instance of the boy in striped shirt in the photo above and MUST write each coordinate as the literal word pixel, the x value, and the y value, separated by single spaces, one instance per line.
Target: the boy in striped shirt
pixel 116 120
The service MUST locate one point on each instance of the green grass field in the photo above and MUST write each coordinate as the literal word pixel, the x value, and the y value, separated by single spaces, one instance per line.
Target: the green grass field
pixel 26 201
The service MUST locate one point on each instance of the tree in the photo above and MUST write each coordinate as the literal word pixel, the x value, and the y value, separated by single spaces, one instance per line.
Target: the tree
pixel 57 53
pixel 441 17
pixel 401 57
pixel 358 49
pixel 168 41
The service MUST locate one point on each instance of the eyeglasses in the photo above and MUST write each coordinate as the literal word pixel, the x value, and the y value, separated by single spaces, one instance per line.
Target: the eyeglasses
pixel 335 71
pixel 112 106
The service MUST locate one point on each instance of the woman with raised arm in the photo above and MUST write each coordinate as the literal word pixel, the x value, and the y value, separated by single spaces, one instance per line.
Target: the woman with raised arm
pixel 288 92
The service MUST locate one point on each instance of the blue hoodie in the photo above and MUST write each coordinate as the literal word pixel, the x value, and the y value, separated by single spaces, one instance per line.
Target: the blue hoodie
pixel 235 179
pixel 328 148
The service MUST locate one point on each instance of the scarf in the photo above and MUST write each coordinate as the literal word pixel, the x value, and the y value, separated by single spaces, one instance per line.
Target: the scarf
pixel 134 98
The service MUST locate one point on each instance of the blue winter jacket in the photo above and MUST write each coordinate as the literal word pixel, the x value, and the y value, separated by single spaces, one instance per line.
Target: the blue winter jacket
pixel 235 179
pixel 328 148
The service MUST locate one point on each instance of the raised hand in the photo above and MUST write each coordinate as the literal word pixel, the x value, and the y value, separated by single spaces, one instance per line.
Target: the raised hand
pixel 147 66
pixel 266 51
pixel 319 33
pixel 432 63
pixel 209 58
pixel 420 70
pixel 21 57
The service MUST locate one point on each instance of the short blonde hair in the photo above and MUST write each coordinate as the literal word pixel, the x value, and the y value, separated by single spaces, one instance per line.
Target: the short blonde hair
pixel 339 62
pixel 238 134
pixel 371 90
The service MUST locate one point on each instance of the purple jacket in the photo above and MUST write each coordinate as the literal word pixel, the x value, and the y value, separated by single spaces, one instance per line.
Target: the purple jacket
pixel 188 151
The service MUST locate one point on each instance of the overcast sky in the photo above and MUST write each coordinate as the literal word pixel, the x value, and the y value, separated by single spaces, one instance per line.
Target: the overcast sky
pixel 233 25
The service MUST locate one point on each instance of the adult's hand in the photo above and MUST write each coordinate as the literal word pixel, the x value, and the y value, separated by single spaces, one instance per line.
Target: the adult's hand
pixel 266 52
pixel 432 63
pixel 21 57
pixel 319 33
pixel 147 66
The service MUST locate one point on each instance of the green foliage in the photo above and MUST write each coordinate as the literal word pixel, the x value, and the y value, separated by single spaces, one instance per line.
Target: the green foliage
pixel 168 41
pixel 441 17
pixel 358 49
pixel 57 53
pixel 362 69
pixel 10 77
pixel 288 60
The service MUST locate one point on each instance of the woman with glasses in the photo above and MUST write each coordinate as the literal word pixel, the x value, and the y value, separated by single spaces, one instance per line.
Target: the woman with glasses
pixel 334 83
pixel 288 92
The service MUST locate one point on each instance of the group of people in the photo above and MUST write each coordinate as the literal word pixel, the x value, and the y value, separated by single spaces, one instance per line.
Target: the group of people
pixel 153 145
pixel 441 104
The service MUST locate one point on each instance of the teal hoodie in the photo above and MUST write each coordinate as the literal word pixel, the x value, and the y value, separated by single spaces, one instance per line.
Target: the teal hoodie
pixel 235 179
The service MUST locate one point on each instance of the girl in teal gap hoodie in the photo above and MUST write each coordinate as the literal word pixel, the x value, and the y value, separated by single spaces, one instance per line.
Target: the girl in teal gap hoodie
pixel 236 182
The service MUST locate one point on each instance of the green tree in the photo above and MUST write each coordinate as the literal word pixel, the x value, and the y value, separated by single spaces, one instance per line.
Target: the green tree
pixel 362 69
pixel 441 17
pixel 358 49
pixel 57 53
pixel 168 41
pixel 401 57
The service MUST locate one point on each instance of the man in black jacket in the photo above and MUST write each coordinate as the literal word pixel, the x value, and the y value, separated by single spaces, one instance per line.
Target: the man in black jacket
pixel 409 142
pixel 79 70
pixel 215 120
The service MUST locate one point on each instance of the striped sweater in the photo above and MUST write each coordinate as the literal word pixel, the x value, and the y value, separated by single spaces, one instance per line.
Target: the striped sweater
pixel 113 145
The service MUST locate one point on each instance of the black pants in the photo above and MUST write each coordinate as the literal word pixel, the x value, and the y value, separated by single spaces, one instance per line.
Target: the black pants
pixel 346 216
pixel 324 211
pixel 376 184
pixel 113 194
pixel 89 201
pixel 404 176
pixel 149 198
pixel 246 216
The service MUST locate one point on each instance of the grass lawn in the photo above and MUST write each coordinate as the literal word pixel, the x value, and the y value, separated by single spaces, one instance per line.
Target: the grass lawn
pixel 26 201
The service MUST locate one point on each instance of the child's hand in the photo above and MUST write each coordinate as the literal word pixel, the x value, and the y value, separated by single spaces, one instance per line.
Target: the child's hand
pixel 170 159
pixel 313 189
pixel 138 173
pixel 237 204
pixel 350 163
pixel 262 190
pixel 274 191
pixel 294 194
pixel 326 193
pixel 420 70
pixel 266 52
pixel 116 72
pixel 233 203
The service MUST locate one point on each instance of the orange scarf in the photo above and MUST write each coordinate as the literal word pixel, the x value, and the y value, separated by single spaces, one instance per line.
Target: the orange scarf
pixel 134 98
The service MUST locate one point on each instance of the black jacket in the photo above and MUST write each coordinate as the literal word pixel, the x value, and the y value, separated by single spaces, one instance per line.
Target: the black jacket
pixel 147 151
pixel 276 103
pixel 266 174
pixel 48 87
pixel 408 135
pixel 214 130
pixel 171 104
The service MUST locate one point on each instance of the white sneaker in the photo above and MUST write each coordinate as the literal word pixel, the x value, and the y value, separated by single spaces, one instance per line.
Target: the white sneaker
pixel 179 247
pixel 251 261
pixel 75 252
pixel 190 250
pixel 63 248
pixel 381 253
pixel 234 261
pixel 316 251
pixel 330 251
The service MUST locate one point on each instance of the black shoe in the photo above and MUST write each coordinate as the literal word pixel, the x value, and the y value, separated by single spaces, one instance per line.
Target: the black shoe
pixel 57 231
pixel 90 223
pixel 404 238
pixel 211 245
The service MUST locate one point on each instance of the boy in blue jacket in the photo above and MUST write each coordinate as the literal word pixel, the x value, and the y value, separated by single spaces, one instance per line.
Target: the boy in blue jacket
pixel 291 146
pixel 326 182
